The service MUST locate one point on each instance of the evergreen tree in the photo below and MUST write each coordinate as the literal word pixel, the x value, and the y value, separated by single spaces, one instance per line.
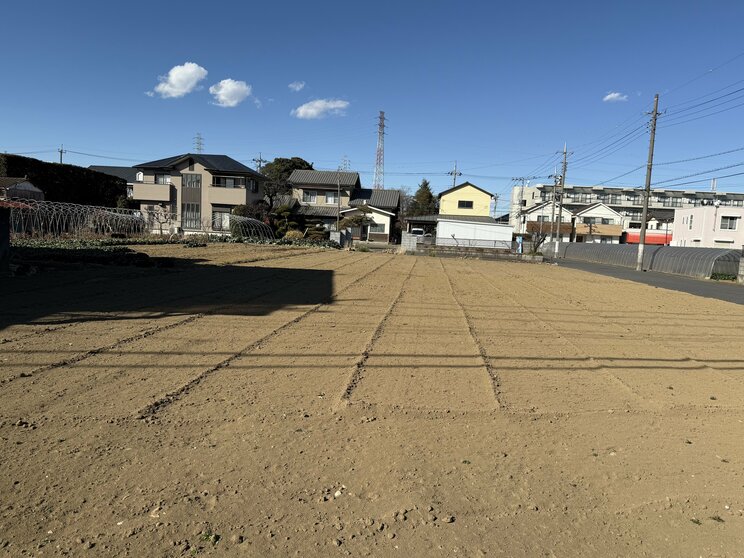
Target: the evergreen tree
pixel 424 201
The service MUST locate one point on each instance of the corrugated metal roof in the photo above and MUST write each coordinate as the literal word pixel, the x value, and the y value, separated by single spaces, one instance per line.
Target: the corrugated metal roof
pixel 324 178
pixel 125 173
pixel 221 163
pixel 384 199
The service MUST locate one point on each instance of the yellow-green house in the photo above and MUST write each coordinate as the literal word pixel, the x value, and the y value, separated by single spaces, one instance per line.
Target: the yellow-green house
pixel 468 200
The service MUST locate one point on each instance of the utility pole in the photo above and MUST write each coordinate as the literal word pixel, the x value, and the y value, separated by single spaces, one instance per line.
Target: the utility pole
pixel 338 201
pixel 525 180
pixel 560 206
pixel 62 151
pixel 552 215
pixel 454 174
pixel 259 162
pixel 647 192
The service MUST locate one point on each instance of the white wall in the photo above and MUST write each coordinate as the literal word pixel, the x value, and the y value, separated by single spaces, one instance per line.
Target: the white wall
pixel 473 234
pixel 701 227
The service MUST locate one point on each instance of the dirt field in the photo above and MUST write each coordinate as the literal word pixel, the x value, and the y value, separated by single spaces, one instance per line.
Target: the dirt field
pixel 258 402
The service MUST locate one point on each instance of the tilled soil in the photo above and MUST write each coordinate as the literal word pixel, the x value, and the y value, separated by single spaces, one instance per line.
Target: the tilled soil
pixel 274 401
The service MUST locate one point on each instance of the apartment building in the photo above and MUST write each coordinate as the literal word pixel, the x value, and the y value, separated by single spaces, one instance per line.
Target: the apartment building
pixel 198 190
pixel 628 202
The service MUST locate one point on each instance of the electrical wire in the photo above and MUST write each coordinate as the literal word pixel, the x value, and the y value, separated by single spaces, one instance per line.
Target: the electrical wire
pixel 697 173
pixel 709 178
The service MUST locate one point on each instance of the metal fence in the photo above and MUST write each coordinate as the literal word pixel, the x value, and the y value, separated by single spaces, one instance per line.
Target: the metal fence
pixel 692 262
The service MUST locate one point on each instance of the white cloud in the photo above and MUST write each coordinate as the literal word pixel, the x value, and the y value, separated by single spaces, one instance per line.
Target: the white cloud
pixel 320 108
pixel 296 86
pixel 614 97
pixel 230 93
pixel 180 81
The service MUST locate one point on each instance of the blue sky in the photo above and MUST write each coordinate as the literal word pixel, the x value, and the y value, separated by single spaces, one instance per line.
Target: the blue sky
pixel 497 86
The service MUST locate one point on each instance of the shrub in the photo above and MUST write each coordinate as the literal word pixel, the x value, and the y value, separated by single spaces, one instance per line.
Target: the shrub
pixel 293 235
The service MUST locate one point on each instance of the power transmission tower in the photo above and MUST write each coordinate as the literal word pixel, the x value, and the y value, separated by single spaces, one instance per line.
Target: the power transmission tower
pixel 62 151
pixel 345 164
pixel 647 192
pixel 454 173
pixel 379 181
pixel 259 162
pixel 198 143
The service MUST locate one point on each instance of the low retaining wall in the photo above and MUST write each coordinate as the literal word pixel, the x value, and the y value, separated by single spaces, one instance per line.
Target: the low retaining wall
pixel 678 260
pixel 472 252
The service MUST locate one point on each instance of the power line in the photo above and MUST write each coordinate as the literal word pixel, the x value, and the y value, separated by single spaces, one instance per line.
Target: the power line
pixel 671 113
pixel 699 173
pixel 702 157
pixel 703 116
pixel 706 179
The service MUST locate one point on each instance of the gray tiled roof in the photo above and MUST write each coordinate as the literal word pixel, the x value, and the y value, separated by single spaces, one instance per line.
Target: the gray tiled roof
pixel 221 163
pixel 19 188
pixel 126 173
pixel 382 199
pixel 318 210
pixel 324 178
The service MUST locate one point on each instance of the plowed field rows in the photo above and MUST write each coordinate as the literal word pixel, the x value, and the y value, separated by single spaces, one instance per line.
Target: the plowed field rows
pixel 257 402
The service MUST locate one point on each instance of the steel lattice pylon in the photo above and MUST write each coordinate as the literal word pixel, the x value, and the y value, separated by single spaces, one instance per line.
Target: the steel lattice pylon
pixel 379 180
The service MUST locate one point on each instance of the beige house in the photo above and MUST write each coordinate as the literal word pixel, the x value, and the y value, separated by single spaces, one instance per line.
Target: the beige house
pixel 709 226
pixel 199 191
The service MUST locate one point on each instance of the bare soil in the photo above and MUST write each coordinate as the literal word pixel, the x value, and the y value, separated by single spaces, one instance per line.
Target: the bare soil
pixel 258 401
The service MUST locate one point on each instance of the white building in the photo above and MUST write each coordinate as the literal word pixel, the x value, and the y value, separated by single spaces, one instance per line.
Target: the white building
pixel 628 202
pixel 709 226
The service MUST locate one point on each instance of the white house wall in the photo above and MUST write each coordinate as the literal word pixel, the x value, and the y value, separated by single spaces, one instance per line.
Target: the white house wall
pixel 473 234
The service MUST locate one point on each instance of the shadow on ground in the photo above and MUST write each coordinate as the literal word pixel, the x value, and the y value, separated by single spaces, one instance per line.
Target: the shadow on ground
pixel 75 292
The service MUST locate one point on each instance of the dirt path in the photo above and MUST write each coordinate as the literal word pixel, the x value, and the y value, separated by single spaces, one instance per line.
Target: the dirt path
pixel 368 405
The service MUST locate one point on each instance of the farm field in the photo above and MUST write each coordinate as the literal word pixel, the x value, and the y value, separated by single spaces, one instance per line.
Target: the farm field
pixel 259 401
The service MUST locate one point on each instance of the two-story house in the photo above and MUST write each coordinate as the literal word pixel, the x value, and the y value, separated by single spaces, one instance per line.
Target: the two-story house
pixel 198 190
pixel 330 196
pixel 466 217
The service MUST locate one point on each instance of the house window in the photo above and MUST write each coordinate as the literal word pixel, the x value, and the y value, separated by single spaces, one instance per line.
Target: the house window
pixel 162 179
pixel 690 223
pixel 309 196
pixel 331 197
pixel 582 198
pixel 228 181
pixel 729 223
pixel 635 199
pixel 139 177
pixel 191 180
pixel 464 204
pixel 377 227
pixel 221 220
pixel 608 221
pixel 737 203
pixel 191 216
pixel 254 186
